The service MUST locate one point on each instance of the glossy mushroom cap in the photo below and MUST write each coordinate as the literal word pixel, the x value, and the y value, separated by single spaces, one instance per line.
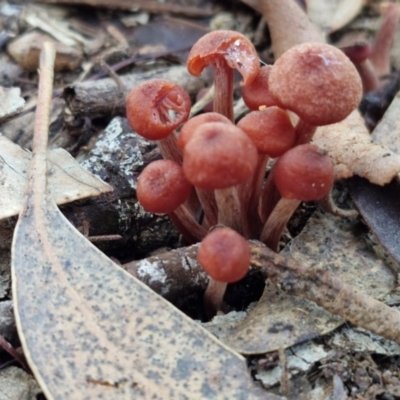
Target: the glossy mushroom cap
pixel 219 155
pixel 156 107
pixel 224 46
pixel 304 173
pixel 224 255
pixel 162 187
pixel 190 126
pixel 317 82
pixel 270 130
pixel 257 94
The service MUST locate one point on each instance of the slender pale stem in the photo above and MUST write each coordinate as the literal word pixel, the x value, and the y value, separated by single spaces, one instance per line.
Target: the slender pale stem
pixel 213 297
pixel 229 209
pixel 169 148
pixel 187 225
pixel 249 193
pixel 368 75
pixel 269 197
pixel 304 132
pixel 223 89
pixel 277 221
pixel 288 25
pixel 380 56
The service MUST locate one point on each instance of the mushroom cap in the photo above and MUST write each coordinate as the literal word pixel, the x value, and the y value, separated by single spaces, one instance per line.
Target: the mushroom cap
pixel 237 51
pixel 149 106
pixel 193 123
pixel 270 130
pixel 316 81
pixel 218 155
pixel 257 94
pixel 162 187
pixel 224 255
pixel 304 173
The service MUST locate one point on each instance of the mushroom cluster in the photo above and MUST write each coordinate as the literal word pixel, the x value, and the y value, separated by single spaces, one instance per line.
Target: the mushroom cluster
pixel 213 172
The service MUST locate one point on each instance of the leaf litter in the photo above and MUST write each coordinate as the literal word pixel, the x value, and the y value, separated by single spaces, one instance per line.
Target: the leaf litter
pixel 87 327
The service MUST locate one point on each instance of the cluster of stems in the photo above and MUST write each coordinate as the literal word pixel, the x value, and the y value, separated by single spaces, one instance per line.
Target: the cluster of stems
pixel 219 168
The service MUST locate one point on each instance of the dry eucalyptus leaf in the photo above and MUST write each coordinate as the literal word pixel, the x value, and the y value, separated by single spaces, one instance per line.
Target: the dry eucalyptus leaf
pixel 11 102
pixel 67 179
pixel 380 209
pixel 279 320
pixel 16 384
pixel 349 145
pixel 25 50
pixel 380 206
pixel 89 329
pixel 331 15
pixel 387 132
pixel 363 341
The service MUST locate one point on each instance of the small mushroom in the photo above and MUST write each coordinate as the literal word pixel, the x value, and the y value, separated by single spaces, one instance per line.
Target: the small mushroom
pixel 218 157
pixel 257 94
pixel 303 173
pixel 154 109
pixel 318 83
pixel 225 256
pixel 225 51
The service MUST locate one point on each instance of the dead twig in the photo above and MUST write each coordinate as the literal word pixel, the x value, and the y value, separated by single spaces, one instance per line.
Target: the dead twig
pixel 152 6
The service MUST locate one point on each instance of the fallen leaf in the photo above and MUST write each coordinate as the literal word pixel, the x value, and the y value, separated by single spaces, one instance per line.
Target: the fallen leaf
pixel 68 181
pixel 91 330
pixel 25 51
pixel 380 206
pixel 11 102
pixel 280 320
pixel 380 209
pixel 300 358
pixel 16 384
pixel 331 15
pixel 387 132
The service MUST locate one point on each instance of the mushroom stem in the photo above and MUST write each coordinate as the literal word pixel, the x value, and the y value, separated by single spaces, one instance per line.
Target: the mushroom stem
pixel 169 148
pixel 282 14
pixel 304 132
pixel 213 297
pixel 380 56
pixel 269 197
pixel 187 225
pixel 277 221
pixel 369 77
pixel 249 193
pixel 223 92
pixel 229 209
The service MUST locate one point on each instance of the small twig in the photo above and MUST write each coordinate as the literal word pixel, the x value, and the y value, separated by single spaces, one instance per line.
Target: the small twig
pixel 13 353
pixel 328 292
pixel 38 171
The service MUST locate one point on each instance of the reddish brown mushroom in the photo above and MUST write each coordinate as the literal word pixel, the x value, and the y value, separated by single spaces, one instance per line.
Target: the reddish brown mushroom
pixel 225 51
pixel 225 256
pixel 317 82
pixel 218 157
pixel 304 173
pixel 190 126
pixel 257 94
pixel 270 130
pixel 154 109
pixel 359 55
pixel 162 187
